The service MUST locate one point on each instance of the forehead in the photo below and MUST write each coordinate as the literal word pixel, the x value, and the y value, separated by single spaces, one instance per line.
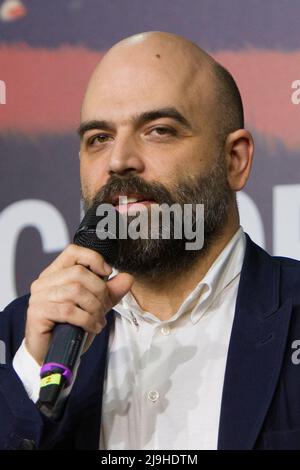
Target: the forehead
pixel 120 89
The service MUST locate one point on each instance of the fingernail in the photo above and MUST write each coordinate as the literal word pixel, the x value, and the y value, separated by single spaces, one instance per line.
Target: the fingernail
pixel 107 268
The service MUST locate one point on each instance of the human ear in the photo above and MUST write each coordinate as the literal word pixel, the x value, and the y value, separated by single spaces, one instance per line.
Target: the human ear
pixel 239 149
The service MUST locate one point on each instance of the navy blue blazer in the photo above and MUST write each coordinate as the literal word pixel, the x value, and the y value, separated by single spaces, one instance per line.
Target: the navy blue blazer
pixel 261 394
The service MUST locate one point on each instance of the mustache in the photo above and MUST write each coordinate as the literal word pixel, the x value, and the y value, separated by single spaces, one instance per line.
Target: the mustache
pixel 132 184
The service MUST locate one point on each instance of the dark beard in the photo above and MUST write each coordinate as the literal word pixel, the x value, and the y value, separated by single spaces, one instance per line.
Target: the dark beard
pixel 153 259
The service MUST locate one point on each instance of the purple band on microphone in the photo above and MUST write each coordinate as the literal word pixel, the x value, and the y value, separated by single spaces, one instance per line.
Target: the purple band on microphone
pixel 50 366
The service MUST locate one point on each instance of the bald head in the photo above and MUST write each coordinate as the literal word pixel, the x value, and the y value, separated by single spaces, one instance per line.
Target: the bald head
pixel 169 48
pixel 151 63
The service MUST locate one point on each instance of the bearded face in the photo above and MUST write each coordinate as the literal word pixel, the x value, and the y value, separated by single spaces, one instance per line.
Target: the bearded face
pixel 153 256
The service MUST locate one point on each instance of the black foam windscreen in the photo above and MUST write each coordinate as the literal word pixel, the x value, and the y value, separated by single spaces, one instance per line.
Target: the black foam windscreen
pixel 88 235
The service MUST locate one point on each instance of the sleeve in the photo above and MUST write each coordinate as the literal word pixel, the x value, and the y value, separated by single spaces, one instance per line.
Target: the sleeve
pixel 28 370
pixel 22 424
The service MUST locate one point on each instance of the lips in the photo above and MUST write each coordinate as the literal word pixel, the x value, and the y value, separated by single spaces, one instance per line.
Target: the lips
pixel 120 199
pixel 130 203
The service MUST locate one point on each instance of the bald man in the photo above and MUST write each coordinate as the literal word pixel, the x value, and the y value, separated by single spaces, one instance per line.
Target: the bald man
pixel 186 349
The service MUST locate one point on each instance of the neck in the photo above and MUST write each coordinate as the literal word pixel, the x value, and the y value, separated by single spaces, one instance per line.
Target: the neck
pixel 163 298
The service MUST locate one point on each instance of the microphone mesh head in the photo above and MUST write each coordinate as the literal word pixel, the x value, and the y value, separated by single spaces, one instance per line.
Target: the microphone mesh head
pixel 87 235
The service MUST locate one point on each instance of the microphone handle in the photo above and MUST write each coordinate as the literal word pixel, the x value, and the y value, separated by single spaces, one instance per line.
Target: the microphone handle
pixel 60 365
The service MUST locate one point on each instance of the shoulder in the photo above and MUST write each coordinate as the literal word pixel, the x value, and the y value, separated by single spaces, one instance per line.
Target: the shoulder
pixel 18 304
pixel 259 256
pixel 16 310
pixel 287 262
pixel 271 274
pixel 12 322
pixel 290 275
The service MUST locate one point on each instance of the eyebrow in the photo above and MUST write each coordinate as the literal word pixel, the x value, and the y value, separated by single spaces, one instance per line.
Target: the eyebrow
pixel 138 120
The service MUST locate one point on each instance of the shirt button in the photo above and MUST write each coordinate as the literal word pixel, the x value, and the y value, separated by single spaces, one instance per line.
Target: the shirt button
pixel 153 396
pixel 165 330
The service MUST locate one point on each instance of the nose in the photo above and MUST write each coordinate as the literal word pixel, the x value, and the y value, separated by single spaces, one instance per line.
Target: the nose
pixel 125 156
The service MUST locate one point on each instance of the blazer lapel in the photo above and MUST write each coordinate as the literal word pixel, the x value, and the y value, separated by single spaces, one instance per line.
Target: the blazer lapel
pixel 87 397
pixel 256 350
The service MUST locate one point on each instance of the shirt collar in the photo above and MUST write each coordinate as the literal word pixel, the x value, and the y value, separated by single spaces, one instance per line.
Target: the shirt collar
pixel 223 271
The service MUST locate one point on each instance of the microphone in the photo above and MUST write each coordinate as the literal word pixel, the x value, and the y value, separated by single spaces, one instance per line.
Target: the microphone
pixel 63 356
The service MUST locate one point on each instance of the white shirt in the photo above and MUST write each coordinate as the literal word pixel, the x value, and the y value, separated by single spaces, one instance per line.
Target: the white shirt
pixel 164 379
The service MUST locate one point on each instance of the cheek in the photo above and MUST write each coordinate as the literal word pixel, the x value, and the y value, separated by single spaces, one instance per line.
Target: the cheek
pixel 84 177
pixel 189 163
pixel 200 159
pixel 91 178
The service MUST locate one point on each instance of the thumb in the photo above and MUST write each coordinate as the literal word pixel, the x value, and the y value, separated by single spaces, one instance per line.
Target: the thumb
pixel 118 286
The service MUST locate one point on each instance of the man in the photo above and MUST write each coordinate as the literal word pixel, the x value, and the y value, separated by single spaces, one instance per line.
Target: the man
pixel 186 349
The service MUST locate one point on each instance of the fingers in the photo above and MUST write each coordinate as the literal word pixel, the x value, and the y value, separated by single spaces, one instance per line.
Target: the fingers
pixel 78 295
pixel 118 286
pixel 47 314
pixel 74 274
pixel 86 291
pixel 73 255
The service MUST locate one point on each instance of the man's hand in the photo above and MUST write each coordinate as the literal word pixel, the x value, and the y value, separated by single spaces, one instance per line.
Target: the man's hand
pixel 71 291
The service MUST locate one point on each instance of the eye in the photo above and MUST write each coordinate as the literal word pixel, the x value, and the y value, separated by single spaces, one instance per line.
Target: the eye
pixel 163 131
pixel 98 139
